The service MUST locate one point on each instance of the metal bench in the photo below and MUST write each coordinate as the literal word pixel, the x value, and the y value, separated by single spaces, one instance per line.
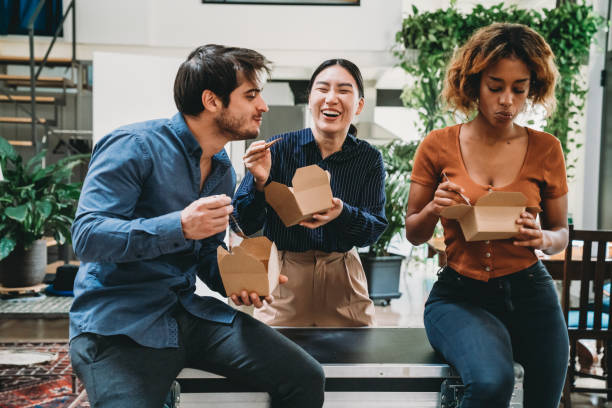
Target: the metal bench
pixel 364 367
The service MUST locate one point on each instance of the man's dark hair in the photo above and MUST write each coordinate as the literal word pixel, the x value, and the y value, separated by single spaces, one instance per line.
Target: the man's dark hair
pixel 215 67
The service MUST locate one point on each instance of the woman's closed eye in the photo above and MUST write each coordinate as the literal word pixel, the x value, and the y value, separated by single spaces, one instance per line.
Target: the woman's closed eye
pixel 515 90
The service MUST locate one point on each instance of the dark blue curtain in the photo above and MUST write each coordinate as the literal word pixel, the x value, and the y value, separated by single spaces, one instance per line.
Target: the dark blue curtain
pixel 15 14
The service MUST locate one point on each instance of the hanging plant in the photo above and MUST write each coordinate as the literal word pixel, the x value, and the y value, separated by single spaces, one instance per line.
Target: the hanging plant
pixel 569 29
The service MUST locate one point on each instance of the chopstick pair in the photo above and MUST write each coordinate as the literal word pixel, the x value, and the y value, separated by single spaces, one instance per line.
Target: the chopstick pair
pixel 240 231
pixel 267 145
pixel 467 200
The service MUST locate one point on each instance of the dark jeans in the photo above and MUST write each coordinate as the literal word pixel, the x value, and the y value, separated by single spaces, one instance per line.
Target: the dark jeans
pixel 118 372
pixel 481 327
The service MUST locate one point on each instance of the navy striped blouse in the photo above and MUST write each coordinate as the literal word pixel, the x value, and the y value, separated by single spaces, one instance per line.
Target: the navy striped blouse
pixel 357 178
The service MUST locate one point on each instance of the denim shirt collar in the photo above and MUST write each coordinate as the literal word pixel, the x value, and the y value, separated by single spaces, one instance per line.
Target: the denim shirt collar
pixel 191 143
pixel 182 131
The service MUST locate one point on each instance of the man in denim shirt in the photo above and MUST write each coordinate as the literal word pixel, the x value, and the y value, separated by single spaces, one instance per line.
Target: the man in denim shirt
pixel 153 210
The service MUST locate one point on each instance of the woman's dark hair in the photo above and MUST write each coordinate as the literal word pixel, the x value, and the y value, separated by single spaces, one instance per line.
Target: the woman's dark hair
pixel 489 45
pixel 351 68
pixel 215 67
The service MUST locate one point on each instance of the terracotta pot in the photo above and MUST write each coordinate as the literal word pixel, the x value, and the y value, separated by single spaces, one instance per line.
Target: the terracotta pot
pixel 24 268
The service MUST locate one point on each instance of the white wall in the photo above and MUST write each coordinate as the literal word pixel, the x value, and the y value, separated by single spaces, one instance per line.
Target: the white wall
pixel 293 37
pixel 131 88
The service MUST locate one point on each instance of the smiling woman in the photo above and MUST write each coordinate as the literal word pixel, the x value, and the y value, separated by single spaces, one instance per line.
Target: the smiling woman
pixel 327 284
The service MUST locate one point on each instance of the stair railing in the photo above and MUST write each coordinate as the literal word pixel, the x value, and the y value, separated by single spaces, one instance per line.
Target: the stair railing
pixel 34 75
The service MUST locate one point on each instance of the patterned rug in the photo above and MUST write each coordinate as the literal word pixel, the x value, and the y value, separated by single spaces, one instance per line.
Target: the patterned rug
pixel 41 393
pixel 46 385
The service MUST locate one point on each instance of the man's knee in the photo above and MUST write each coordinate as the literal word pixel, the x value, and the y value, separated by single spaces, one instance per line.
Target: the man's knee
pixel 307 385
pixel 315 378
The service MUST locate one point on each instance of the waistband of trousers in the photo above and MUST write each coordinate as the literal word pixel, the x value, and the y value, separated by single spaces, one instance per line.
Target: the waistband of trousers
pixel 312 255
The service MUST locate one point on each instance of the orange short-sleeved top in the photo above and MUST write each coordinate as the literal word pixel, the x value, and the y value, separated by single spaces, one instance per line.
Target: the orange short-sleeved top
pixel 541 177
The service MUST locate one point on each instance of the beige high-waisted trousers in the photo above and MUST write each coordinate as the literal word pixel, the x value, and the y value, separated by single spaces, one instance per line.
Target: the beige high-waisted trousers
pixel 324 289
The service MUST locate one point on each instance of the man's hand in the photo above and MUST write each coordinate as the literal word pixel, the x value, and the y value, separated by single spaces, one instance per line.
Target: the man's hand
pixel 248 299
pixel 206 217
pixel 323 218
pixel 258 160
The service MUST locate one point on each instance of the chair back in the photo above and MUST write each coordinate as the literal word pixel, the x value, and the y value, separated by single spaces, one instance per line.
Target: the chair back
pixel 593 272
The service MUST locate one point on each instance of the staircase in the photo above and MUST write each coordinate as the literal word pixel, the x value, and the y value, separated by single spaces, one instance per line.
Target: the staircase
pixel 30 105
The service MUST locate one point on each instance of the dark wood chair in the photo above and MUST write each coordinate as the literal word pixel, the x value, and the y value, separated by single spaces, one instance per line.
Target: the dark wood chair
pixel 590 319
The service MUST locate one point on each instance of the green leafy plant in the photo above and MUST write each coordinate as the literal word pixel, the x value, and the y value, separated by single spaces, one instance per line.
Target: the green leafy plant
pixel 35 201
pixel 398 158
pixel 569 29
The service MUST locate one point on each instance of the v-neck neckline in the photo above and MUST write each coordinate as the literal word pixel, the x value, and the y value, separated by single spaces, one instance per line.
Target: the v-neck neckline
pixel 489 186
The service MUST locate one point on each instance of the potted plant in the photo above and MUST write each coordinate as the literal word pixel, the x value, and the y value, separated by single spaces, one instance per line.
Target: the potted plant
pixel 35 201
pixel 381 268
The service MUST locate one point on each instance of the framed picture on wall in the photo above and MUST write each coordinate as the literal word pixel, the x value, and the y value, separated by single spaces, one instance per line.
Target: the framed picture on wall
pixel 290 2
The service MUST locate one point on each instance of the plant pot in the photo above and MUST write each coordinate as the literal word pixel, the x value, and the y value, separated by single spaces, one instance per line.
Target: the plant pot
pixel 383 275
pixel 24 267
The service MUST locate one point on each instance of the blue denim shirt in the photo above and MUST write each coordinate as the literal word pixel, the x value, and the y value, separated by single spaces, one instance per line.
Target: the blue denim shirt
pixel 357 178
pixel 136 265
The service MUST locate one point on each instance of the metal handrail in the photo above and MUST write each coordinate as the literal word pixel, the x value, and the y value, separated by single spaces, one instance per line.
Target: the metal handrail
pixel 34 76
pixel 7 93
pixel 57 30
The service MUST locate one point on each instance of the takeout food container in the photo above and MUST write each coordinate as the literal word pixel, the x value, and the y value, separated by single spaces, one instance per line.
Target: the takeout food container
pixel 492 217
pixel 246 267
pixel 311 193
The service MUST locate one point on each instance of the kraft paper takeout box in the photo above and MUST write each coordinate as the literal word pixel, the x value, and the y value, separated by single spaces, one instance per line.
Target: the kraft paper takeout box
pixel 311 194
pixel 246 267
pixel 492 217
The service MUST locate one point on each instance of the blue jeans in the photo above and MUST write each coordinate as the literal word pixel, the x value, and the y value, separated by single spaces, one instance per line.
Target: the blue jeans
pixel 481 327
pixel 118 372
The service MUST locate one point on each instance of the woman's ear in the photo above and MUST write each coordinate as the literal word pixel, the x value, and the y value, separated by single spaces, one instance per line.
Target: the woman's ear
pixel 359 106
pixel 211 101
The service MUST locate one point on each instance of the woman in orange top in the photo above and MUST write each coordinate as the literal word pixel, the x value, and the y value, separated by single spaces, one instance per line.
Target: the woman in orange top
pixel 495 303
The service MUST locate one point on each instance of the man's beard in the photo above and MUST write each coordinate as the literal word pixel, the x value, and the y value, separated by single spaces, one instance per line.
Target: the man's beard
pixel 235 126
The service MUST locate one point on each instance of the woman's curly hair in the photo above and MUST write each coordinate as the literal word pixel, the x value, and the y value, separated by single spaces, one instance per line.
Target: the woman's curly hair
pixel 485 48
